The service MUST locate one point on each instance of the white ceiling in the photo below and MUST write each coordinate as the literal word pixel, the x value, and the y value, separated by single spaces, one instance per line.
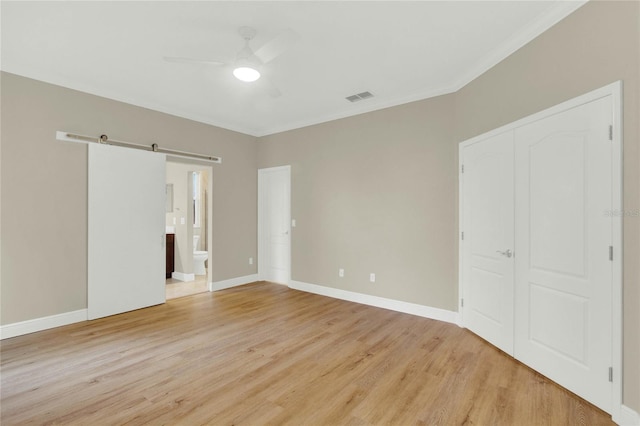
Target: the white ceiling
pixel 399 51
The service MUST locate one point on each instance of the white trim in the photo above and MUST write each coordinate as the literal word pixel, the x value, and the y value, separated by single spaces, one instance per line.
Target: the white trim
pixel 617 327
pixel 615 91
pixel 459 236
pixel 627 417
pixel 181 276
pixel 209 169
pixel 554 14
pixel 44 323
pixel 380 302
pixel 370 106
pixel 608 90
pixel 233 282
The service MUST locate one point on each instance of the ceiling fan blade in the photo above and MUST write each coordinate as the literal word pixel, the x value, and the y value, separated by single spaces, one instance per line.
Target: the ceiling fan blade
pixel 192 61
pixel 277 46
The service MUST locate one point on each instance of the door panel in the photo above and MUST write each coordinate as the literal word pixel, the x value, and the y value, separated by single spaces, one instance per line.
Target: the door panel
pixel 563 272
pixel 564 338
pixel 557 196
pixel 126 254
pixel 488 227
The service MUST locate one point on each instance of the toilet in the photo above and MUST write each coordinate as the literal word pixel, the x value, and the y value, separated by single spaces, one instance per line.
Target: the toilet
pixel 198 258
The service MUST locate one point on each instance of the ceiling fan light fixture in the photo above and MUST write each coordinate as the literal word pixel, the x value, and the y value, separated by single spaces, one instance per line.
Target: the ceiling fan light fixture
pixel 246 74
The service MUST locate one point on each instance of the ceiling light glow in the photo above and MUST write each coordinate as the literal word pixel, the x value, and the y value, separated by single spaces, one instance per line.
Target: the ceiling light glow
pixel 246 74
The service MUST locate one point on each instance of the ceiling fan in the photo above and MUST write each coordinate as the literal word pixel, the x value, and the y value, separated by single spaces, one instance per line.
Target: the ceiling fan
pixel 248 63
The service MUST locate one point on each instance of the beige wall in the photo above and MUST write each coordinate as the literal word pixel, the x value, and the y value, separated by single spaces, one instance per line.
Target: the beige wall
pixel 596 45
pixel 374 193
pixel 370 193
pixel 378 192
pixel 44 191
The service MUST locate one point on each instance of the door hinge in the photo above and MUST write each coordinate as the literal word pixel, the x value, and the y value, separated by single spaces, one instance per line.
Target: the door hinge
pixel 462 235
pixel 462 168
pixel 610 132
pixel 611 253
pixel 611 374
pixel 462 303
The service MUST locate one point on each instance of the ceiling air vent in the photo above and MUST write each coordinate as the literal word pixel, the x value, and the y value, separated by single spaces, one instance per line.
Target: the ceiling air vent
pixel 359 96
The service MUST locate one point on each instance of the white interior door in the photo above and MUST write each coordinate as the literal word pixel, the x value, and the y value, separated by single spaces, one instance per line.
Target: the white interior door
pixel 487 248
pixel 563 271
pixel 126 249
pixel 274 226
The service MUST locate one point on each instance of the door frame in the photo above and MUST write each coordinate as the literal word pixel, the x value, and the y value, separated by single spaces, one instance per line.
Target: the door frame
pixel 615 91
pixel 262 245
pixel 209 169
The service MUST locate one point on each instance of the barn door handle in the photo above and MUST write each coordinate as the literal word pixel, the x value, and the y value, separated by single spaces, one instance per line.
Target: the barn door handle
pixel 507 253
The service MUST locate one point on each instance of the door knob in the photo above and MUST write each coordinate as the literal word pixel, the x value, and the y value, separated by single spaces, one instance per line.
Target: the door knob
pixel 507 253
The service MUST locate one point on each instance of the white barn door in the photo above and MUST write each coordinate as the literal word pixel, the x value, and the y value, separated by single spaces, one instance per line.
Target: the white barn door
pixel 487 275
pixel 274 224
pixel 563 270
pixel 126 250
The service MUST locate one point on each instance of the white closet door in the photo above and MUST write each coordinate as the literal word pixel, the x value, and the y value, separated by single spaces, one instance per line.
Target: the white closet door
pixel 563 272
pixel 488 242
pixel 126 250
pixel 274 215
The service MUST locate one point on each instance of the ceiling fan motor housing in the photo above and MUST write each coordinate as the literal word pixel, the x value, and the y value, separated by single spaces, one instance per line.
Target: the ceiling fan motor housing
pixel 247 33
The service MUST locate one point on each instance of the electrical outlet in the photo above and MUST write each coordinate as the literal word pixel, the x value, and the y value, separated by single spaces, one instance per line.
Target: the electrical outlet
pixel 341 272
pixel 251 261
pixel 293 223
pixel 372 278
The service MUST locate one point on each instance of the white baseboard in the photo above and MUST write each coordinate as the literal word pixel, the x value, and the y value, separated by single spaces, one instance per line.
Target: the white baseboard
pixel 180 276
pixel 628 417
pixel 39 324
pixel 380 302
pixel 233 282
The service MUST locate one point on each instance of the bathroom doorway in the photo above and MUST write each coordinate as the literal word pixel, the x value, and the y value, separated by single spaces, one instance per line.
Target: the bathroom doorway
pixel 188 227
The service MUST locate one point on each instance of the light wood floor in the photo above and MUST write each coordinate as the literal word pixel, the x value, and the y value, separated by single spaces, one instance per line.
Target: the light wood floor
pixel 176 288
pixel 265 354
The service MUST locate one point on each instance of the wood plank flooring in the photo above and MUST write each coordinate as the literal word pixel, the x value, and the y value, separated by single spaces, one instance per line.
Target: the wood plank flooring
pixel 176 288
pixel 266 354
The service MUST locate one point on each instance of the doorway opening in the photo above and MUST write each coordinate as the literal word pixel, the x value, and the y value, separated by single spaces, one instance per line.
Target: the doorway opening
pixel 189 219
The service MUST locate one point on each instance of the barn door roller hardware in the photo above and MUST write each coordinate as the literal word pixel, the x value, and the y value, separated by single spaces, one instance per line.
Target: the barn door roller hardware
pixel 104 140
